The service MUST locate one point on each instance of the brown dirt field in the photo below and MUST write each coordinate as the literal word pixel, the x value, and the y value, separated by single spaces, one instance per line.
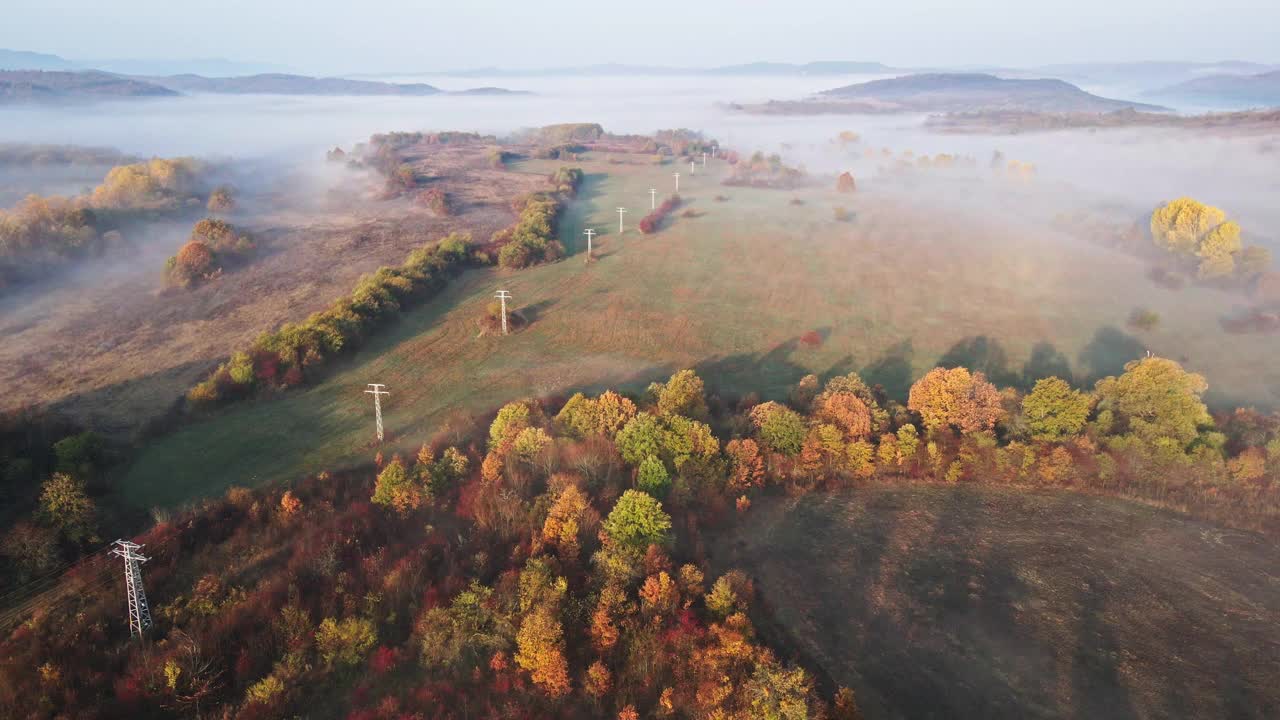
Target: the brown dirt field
pixel 112 349
pixel 944 601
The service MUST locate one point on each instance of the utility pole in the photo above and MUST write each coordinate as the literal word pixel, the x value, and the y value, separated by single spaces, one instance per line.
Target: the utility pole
pixel 377 392
pixel 589 232
pixel 139 613
pixel 620 211
pixel 653 199
pixel 677 177
pixel 503 295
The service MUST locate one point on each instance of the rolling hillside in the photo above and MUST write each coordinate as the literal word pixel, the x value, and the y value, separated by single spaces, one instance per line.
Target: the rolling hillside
pixel 1258 90
pixel 967 92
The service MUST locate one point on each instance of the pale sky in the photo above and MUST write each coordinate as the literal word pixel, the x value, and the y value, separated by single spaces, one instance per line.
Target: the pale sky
pixel 345 36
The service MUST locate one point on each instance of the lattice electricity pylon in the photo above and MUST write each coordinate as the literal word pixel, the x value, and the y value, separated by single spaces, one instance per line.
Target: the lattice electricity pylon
pixel 139 613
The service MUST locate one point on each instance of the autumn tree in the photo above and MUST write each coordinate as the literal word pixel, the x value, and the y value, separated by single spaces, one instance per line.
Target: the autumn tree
pixel 598 681
pixel 565 521
pixel 1154 400
pixel 746 467
pixel 194 260
pixel 1054 410
pixel 396 489
pixel 64 501
pixel 221 200
pixel 1179 225
pixel 855 385
pixel 956 398
pixel 1189 228
pixel 540 650
pixel 605 415
pixel 31 548
pixel 846 411
pixel 1218 250
pixel 845 183
pixel 659 594
pixel 512 418
pixel 345 642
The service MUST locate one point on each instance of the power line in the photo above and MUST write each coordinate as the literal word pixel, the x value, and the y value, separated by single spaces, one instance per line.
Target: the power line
pixel 53 575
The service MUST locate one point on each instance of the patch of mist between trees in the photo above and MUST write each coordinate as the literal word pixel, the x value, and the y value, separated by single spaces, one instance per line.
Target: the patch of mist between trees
pixel 19 182
pixel 1129 171
pixel 135 266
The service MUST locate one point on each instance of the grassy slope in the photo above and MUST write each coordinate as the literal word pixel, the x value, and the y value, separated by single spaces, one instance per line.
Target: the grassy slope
pixel 935 601
pixel 728 292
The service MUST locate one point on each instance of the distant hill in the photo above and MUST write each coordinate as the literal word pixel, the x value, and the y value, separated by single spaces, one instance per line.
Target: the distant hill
pixel 281 84
pixel 209 67
pixel 971 92
pixel 54 86
pixel 1146 75
pixel 1238 90
pixel 490 91
pixel 23 60
pixel 828 67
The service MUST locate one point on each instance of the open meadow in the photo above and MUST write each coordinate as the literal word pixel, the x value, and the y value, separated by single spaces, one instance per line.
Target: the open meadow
pixel 945 601
pixel 752 287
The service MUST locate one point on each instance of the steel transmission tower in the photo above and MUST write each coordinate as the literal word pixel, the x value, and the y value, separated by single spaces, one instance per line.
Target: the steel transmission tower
pixel 139 613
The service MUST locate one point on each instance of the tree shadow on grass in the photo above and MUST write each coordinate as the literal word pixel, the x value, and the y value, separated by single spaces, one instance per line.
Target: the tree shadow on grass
pixel 580 209
pixel 533 312
pixel 892 371
pixel 1046 361
pixel 1108 352
pixel 981 354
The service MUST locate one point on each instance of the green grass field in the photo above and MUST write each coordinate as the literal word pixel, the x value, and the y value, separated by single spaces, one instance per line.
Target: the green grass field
pixel 728 292
pixel 946 601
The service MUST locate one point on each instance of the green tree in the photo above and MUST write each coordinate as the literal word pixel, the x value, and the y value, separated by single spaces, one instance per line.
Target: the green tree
pixel 79 455
pixel 683 395
pixel 652 478
pixel 397 489
pixel 1054 410
pixel 1155 399
pixel 511 419
pixel 780 428
pixel 638 521
pixel 640 438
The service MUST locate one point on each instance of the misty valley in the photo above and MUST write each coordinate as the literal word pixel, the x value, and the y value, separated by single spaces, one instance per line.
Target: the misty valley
pixel 822 390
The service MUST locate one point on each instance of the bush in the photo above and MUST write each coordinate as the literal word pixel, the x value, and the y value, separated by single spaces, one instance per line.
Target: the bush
pixel 532 239
pixel 653 221
pixel 221 201
pixel 437 201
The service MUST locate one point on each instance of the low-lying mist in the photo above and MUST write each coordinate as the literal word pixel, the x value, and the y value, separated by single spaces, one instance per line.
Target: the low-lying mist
pixel 272 151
